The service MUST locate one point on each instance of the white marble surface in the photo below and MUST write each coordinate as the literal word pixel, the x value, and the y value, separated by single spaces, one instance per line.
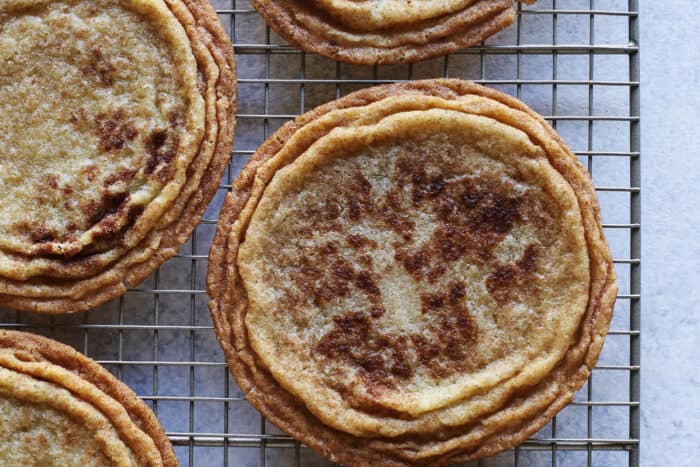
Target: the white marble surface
pixel 670 239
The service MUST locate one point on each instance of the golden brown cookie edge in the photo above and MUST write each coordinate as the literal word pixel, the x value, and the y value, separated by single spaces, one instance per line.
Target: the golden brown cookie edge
pixel 290 414
pixel 41 348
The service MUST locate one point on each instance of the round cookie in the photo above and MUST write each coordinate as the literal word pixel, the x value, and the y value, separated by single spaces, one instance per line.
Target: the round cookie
pixel 413 274
pixel 373 32
pixel 61 408
pixel 118 124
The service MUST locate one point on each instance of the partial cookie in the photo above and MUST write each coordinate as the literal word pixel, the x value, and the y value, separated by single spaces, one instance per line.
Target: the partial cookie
pixel 373 32
pixel 116 125
pixel 413 274
pixel 61 408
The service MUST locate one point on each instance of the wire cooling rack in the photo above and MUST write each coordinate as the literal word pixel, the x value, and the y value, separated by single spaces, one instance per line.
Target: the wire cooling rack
pixel 576 62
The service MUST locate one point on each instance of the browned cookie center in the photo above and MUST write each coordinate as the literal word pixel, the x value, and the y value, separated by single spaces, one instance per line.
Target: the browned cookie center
pixel 402 211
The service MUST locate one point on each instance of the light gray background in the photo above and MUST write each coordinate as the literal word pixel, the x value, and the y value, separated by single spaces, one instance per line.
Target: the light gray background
pixel 670 56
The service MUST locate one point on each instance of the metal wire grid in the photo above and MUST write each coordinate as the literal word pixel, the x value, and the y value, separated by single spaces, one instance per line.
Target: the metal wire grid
pixel 159 338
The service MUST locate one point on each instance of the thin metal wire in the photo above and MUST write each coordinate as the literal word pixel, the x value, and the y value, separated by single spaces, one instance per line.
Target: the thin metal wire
pixel 226 378
pixel 635 239
pixel 156 322
pixel 589 163
pixel 266 131
pixel 231 439
pixel 254 48
pixel 554 125
pixel 543 11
